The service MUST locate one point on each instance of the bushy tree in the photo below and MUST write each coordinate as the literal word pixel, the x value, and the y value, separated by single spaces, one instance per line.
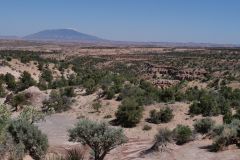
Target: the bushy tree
pixel 34 142
pixel 182 134
pixel 98 136
pixel 204 125
pixel 129 113
pixel 163 116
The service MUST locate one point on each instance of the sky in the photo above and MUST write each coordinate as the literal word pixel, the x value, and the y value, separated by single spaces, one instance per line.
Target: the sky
pixel 207 21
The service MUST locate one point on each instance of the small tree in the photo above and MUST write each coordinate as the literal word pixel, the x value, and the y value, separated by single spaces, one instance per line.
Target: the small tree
pixel 98 136
pixel 129 113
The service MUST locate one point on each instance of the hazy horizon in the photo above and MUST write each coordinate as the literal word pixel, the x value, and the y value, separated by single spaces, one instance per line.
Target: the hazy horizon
pixel 204 21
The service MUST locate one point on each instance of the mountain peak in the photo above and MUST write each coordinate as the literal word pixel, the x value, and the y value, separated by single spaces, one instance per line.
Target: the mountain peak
pixel 62 35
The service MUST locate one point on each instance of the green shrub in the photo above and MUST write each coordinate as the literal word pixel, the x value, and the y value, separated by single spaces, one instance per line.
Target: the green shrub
pixel 47 75
pixel 195 109
pixel 96 106
pixel 162 138
pixel 68 91
pixel 217 130
pixel 167 95
pixel 182 134
pixel 193 94
pixel 163 116
pixel 75 154
pixel 146 127
pixel 9 58
pixel 110 93
pixel 129 113
pixel 26 81
pixel 4 119
pixel 90 86
pixel 40 66
pixel 10 81
pixel 42 84
pixel 59 83
pixel 204 126
pixel 19 100
pixel 98 136
pixel 226 135
pixel 35 143
pixel 228 117
pixel 31 114
pixel 57 101
pixel 207 106
pixel 224 106
pixel 107 116
pixel 2 91
pixel 237 115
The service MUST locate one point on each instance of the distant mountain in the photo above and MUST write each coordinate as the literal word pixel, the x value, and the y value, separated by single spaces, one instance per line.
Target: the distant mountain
pixel 62 35
pixel 70 35
pixel 9 37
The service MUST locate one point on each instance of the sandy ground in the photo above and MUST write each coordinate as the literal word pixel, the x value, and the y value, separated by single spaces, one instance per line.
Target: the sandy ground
pixel 57 125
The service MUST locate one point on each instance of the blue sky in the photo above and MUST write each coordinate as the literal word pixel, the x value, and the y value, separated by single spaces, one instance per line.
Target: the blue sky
pixel 216 21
